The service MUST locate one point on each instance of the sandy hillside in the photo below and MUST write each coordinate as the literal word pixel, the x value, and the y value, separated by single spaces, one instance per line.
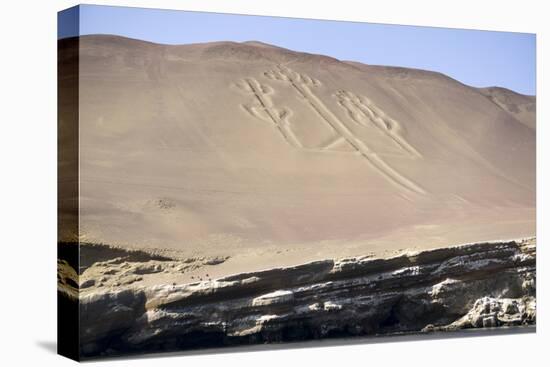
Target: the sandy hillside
pixel 273 157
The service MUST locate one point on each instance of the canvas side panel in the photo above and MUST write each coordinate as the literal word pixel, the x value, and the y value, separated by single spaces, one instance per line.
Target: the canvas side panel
pixel 68 185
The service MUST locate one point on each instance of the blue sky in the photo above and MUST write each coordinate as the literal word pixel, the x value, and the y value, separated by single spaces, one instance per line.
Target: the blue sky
pixel 477 58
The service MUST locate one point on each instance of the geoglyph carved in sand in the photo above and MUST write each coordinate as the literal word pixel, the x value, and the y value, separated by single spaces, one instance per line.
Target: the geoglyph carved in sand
pixel 359 109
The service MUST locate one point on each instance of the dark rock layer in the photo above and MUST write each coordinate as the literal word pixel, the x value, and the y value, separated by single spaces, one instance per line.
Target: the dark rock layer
pixel 468 286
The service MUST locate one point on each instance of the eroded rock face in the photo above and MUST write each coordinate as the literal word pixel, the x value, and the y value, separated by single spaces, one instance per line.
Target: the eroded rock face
pixel 493 312
pixel 469 286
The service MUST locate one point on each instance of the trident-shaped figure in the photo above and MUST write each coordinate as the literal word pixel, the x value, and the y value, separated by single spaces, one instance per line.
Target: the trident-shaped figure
pixel 263 108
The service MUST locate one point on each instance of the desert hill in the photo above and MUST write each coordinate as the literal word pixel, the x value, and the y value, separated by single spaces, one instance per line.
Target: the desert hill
pixel 273 156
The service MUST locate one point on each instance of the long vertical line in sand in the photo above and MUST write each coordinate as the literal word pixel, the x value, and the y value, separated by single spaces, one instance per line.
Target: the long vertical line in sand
pixel 281 125
pixel 403 144
pixel 388 172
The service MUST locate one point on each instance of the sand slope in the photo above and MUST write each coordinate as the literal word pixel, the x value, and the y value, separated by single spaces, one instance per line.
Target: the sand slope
pixel 522 107
pixel 272 156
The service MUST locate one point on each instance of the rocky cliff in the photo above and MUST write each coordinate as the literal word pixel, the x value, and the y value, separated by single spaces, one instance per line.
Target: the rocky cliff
pixel 468 286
